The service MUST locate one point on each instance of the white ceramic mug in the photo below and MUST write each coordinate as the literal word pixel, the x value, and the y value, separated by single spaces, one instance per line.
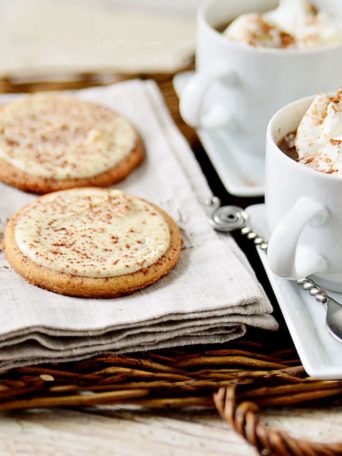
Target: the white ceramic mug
pixel 304 209
pixel 239 87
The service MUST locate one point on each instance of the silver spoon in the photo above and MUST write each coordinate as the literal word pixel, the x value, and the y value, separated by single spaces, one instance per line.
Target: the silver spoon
pixel 231 218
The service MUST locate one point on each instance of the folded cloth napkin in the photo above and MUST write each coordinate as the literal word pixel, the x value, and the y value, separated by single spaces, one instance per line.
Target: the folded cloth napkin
pixel 209 297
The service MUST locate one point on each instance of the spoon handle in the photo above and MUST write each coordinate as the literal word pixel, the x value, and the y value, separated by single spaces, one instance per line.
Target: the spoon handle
pixel 231 218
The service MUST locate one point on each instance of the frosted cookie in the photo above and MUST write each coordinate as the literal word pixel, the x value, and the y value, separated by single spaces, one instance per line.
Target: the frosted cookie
pixel 92 242
pixel 52 142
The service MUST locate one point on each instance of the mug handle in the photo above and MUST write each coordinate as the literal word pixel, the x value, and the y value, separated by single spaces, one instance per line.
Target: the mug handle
pixel 191 99
pixel 283 256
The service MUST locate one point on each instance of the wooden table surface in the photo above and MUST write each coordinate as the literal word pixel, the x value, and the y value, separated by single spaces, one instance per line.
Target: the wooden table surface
pixel 118 432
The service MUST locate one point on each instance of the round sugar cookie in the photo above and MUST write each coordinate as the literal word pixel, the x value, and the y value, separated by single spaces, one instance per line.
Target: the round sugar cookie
pixel 51 141
pixel 92 242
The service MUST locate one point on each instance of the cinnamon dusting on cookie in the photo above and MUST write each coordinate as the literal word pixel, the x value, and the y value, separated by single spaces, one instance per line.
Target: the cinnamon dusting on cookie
pixel 63 137
pixel 92 232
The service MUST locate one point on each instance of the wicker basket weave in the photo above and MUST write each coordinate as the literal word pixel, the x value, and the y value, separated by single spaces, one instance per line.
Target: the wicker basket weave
pixel 239 379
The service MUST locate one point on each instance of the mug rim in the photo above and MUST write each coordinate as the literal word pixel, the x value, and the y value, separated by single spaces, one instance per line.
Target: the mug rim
pixel 201 18
pixel 290 161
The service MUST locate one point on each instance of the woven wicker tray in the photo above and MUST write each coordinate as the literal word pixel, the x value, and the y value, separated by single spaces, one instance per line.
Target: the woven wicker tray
pixel 239 379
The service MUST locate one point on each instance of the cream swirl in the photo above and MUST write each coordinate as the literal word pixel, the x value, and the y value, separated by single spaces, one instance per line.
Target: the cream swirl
pixel 92 232
pixel 294 24
pixel 62 137
pixel 319 135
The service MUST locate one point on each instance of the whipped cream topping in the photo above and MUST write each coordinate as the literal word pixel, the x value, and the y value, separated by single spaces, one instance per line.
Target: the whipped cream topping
pixel 294 24
pixel 92 232
pixel 58 136
pixel 319 135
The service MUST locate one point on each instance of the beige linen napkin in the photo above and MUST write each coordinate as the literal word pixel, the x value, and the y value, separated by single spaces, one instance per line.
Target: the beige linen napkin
pixel 209 297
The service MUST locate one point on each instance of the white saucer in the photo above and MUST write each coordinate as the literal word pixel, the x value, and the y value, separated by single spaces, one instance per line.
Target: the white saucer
pixel 319 352
pixel 240 177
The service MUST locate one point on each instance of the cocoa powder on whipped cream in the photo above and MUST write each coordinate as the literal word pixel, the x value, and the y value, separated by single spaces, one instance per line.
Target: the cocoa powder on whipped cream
pixel 295 24
pixel 319 135
pixel 317 143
